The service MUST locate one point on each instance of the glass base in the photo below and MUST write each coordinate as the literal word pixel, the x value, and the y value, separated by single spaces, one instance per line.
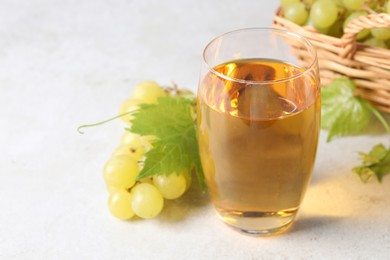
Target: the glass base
pixel 259 224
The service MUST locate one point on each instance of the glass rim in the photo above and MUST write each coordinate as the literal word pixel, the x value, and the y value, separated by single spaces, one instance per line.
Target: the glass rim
pixel 269 29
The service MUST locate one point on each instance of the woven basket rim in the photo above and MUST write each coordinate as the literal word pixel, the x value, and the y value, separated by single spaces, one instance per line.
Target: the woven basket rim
pixel 366 65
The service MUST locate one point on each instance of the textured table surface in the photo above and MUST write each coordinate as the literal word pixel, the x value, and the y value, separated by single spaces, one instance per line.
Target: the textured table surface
pixel 70 62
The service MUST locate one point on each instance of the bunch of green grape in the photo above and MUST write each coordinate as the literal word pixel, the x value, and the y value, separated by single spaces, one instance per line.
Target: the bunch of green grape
pixel 144 198
pixel 332 16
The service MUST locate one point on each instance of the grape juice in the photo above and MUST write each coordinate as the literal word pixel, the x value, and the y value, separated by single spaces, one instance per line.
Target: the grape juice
pixel 258 140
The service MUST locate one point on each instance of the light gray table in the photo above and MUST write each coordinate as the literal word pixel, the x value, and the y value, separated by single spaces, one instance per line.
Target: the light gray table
pixel 70 62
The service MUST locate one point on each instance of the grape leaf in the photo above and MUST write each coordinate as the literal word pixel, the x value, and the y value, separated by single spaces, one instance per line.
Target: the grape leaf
pixel 176 149
pixel 375 163
pixel 343 113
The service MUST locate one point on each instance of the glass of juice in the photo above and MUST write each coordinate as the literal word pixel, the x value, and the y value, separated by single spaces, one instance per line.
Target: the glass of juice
pixel 258 119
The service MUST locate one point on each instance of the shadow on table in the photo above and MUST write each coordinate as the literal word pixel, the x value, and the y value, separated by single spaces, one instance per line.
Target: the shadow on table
pixel 190 203
pixel 312 223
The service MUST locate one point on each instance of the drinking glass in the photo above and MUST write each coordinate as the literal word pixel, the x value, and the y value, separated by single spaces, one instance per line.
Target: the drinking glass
pixel 258 119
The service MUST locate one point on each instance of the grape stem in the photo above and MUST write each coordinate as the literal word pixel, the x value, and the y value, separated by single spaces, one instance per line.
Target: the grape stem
pixel 173 89
pixel 102 122
pixel 129 189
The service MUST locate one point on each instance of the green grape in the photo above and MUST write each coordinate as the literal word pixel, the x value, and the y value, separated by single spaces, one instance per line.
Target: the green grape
pixel 284 3
pixel 129 105
pixel 171 186
pixel 147 180
pixel 373 5
pixel 120 171
pixel 112 189
pixel 119 204
pixel 148 141
pixel 362 34
pixel 147 201
pixel 353 4
pixel 137 152
pixel 338 2
pixel 381 33
pixel 323 13
pixel 148 92
pixel 296 12
pixel 309 3
pixel 128 137
pixel 376 42
pixel 136 140
pixel 188 177
pixel 336 30
pixel 323 30
pixel 388 7
pixel 137 145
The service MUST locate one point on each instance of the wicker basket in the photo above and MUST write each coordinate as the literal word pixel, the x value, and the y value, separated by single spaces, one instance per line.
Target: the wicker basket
pixel 367 66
